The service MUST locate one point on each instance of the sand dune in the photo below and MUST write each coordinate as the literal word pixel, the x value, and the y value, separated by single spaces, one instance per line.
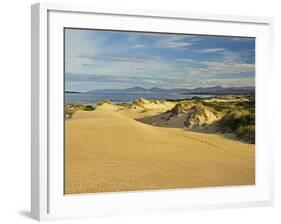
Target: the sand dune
pixel 108 150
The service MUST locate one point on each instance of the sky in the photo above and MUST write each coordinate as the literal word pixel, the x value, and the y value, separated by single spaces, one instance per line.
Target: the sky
pixel 98 59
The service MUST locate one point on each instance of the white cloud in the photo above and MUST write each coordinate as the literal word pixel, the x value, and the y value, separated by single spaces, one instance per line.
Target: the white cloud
pixel 173 42
pixel 157 67
pixel 197 71
pixel 230 82
pixel 111 64
pixel 223 67
pixel 245 39
pixel 139 46
pixel 232 57
pixel 77 42
pixel 210 50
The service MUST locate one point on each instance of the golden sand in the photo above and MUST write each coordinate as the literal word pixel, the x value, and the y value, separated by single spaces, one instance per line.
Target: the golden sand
pixel 107 150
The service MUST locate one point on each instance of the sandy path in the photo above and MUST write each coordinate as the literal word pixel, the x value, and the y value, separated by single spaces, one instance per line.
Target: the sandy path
pixel 107 151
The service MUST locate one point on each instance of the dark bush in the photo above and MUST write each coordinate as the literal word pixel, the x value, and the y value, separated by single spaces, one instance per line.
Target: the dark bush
pixel 246 133
pixel 88 108
pixel 240 123
pixel 101 102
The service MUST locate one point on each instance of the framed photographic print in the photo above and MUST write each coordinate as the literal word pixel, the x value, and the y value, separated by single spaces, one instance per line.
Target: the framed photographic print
pixel 148 111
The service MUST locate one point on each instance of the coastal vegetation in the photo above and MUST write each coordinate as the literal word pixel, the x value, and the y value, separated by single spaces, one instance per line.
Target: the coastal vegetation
pixel 228 114
pixel 225 114
pixel 70 109
pixel 242 123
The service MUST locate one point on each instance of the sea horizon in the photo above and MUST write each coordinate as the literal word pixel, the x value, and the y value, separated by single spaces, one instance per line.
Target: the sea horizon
pixel 93 98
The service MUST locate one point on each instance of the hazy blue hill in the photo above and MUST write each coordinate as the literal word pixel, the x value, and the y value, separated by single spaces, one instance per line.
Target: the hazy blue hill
pixel 200 90
pixel 135 89
pixel 218 90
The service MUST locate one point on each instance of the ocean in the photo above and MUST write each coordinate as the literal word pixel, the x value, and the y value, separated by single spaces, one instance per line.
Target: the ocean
pixel 93 98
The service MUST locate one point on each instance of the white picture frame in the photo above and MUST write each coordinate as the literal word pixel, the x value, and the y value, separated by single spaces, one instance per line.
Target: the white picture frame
pixel 48 201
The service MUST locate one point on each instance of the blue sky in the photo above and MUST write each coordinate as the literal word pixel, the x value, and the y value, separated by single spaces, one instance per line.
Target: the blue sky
pixel 96 59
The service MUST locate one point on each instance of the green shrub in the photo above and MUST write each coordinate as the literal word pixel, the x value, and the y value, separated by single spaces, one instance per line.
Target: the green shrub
pixel 101 102
pixel 88 108
pixel 230 121
pixel 246 132
pixel 242 123
pixel 68 113
pixel 246 104
pixel 75 106
pixel 235 119
pixel 220 106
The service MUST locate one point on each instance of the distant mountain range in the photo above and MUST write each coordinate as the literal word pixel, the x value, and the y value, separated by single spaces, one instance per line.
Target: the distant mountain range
pixel 215 90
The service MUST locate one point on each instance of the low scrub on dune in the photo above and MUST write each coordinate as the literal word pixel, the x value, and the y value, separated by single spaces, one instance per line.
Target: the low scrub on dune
pixel 88 108
pixel 242 123
pixel 101 102
pixel 225 105
pixel 246 133
pixel 68 113
pixel 142 102
pixel 70 109
pixel 232 115
pixel 220 107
